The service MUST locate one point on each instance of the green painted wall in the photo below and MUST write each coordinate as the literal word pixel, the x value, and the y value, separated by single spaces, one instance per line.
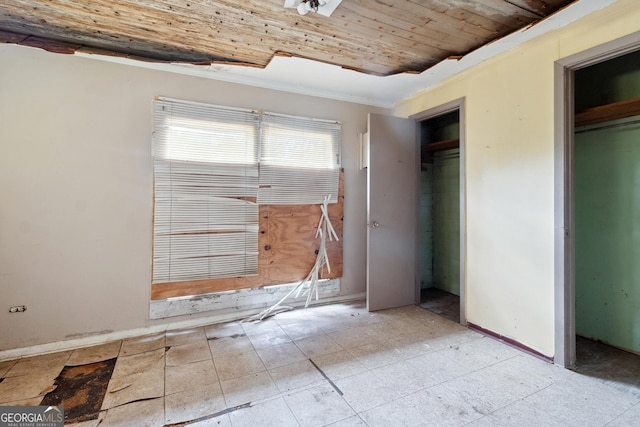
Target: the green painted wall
pixel 610 81
pixel 607 207
pixel 446 221
pixel 439 249
pixel 425 228
pixel 607 234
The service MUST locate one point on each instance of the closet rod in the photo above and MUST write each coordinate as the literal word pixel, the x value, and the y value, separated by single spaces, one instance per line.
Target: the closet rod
pixel 615 125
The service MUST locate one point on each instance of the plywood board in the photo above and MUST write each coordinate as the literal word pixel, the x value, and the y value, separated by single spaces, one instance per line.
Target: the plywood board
pixel 287 251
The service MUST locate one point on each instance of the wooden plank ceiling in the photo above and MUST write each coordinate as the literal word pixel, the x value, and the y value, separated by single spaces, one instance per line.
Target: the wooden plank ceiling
pixel 379 37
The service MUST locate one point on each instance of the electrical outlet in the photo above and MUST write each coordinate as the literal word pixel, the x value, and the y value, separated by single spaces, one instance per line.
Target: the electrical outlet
pixel 17 309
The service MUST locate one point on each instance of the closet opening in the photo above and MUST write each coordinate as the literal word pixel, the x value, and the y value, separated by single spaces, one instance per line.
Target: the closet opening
pixel 439 222
pixel 606 200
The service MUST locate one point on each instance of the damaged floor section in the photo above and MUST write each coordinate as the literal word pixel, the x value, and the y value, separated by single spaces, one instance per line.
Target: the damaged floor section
pixel 335 365
pixel 80 390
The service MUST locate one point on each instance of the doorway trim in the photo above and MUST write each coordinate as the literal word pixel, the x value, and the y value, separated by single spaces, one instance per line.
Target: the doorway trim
pixel 564 238
pixel 455 105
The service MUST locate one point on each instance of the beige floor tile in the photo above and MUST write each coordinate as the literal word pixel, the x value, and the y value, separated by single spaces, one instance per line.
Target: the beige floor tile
pixel 220 330
pixel 375 355
pixel 32 401
pixel 229 367
pixel 46 365
pixel 445 338
pixel 628 418
pixel 260 327
pixel 354 421
pixel 439 405
pixel 192 375
pixel 365 391
pixel 397 413
pixel 439 366
pixel 187 353
pixel 317 345
pixel 340 364
pixel 26 387
pixel 486 396
pixel 353 337
pixel 97 353
pixel 280 355
pixel 229 345
pixel 296 375
pixel 270 337
pixel 5 366
pixel 519 413
pixel 582 401
pixel 520 376
pixel 295 315
pixel 480 353
pixel 335 323
pixel 194 403
pixel 298 329
pixel 249 388
pixel 410 346
pixel 147 413
pixel 184 336
pixel 413 325
pixel 142 344
pixel 404 377
pixel 434 406
pixel 318 406
pixel 140 376
pixel 273 413
pixel 219 421
pixel 90 423
pixel 383 331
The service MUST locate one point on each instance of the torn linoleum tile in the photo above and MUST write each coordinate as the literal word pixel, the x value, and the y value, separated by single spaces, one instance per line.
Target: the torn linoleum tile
pixel 81 390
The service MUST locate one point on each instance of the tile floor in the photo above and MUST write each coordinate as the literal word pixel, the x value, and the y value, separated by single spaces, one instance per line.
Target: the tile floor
pixel 334 365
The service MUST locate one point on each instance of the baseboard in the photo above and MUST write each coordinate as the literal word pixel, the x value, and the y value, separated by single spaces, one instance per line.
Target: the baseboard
pixel 511 342
pixel 154 329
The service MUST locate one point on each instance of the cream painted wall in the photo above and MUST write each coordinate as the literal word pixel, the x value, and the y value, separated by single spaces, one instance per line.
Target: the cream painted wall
pixel 509 129
pixel 76 188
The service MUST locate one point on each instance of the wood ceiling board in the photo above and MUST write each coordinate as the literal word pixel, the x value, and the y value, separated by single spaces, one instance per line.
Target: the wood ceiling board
pixel 539 7
pixel 378 37
pixel 10 37
pixel 404 25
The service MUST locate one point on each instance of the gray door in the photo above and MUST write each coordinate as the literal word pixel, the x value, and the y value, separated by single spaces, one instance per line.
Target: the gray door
pixel 392 193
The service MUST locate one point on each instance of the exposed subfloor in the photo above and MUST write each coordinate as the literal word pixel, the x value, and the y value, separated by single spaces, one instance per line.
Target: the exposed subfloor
pixel 441 302
pixel 332 365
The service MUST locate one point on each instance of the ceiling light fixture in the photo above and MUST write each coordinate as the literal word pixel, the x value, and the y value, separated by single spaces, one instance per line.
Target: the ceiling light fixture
pixel 322 7
pixel 310 5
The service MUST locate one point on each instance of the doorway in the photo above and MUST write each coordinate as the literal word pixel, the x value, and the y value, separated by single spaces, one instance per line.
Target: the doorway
pixel 393 175
pixel 607 201
pixel 439 218
pixel 598 162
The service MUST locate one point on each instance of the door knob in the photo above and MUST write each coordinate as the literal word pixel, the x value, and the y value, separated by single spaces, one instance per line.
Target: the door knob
pixel 374 224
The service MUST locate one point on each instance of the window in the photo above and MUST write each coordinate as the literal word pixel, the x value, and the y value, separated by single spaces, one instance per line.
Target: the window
pixel 299 160
pixel 206 183
pixel 214 166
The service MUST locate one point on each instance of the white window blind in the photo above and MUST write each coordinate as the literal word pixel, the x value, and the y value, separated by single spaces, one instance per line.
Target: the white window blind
pixel 206 184
pixel 299 160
